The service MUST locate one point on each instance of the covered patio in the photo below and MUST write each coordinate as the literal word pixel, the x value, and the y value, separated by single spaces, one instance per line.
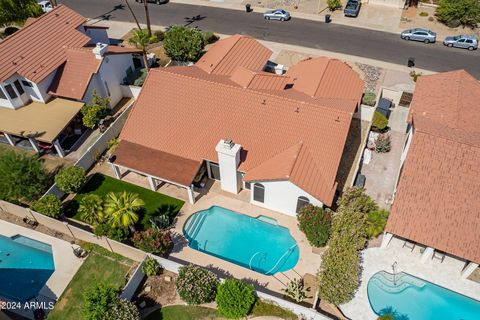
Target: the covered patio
pixel 42 124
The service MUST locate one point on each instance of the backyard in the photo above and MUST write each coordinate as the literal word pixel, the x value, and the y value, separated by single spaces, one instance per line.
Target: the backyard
pixel 155 203
pixel 100 265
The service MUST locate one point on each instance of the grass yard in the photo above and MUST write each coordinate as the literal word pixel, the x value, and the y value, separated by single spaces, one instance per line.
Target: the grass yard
pixel 100 265
pixel 181 312
pixel 155 203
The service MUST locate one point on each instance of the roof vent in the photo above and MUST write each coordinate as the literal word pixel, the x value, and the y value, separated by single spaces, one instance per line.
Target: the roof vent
pixel 264 102
pixel 228 144
pixel 100 50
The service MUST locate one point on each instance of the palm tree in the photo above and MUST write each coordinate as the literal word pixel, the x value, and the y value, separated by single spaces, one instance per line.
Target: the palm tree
pixel 140 39
pixel 147 17
pixel 133 14
pixel 91 209
pixel 121 207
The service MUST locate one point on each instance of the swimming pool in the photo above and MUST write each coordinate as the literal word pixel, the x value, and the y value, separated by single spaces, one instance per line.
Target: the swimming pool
pixel 258 244
pixel 413 298
pixel 25 266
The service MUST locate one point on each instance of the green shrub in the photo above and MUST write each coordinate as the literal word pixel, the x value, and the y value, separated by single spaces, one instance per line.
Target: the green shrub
pixel 91 209
pixel 382 144
pixel 105 229
pixel 159 34
pixel 456 12
pixel 379 121
pixel 136 77
pixel 196 285
pixel 153 241
pixel 70 179
pixel 296 290
pixel 315 222
pixel 333 4
pixel 235 299
pixel 376 221
pixel 95 111
pixel 183 43
pixel 423 14
pixel 209 37
pixel 48 205
pixel 23 177
pixel 122 309
pixel 369 98
pixel 97 301
pixel 151 267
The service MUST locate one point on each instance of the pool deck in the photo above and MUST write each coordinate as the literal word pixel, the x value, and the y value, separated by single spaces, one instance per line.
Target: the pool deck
pixel 445 274
pixel 66 264
pixel 309 262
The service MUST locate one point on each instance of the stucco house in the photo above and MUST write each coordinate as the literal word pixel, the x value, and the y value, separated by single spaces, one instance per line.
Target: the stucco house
pixel 437 204
pixel 279 136
pixel 49 69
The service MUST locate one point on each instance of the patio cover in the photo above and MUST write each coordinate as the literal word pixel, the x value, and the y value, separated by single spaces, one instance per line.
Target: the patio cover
pixel 159 164
pixel 42 121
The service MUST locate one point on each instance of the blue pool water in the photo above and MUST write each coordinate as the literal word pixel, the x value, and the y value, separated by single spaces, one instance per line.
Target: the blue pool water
pixel 412 298
pixel 25 266
pixel 256 244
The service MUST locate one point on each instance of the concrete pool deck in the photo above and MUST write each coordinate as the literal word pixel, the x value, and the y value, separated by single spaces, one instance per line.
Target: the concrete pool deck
pixel 66 264
pixel 445 274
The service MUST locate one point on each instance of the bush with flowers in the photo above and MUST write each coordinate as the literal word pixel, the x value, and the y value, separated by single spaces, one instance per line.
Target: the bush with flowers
pixel 196 285
pixel 153 241
pixel 315 222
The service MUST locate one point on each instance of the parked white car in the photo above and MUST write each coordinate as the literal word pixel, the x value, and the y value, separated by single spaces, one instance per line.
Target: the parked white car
pixel 278 14
pixel 46 6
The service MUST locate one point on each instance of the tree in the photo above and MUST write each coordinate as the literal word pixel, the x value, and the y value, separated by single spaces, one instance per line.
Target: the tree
pixel 122 309
pixel 121 208
pixel 98 299
pixel 70 179
pixel 235 299
pixel 141 39
pixel 48 205
pixel 17 11
pixel 333 4
pixel 315 222
pixel 153 241
pixel 147 17
pixel 456 12
pixel 376 221
pixel 91 209
pixel 151 267
pixel 23 177
pixel 196 285
pixel 183 43
pixel 95 111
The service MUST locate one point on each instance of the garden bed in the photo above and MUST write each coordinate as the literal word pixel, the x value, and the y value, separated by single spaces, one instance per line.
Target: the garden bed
pixel 155 203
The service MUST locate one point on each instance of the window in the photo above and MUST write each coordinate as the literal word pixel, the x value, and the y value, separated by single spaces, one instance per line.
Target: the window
pixel 2 94
pixel 302 202
pixel 19 87
pixel 469 41
pixel 461 40
pixel 258 192
pixel 27 83
pixel 248 185
pixel 108 89
pixel 10 91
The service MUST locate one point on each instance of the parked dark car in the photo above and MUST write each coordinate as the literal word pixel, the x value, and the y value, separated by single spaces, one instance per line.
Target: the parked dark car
pixel 352 8
pixel 154 1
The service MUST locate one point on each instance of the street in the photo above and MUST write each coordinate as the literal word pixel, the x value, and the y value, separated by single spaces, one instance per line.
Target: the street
pixel 371 44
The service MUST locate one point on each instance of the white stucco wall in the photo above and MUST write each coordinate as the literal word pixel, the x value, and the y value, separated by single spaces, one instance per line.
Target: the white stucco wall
pixel 95 84
pixel 282 196
pixel 97 35
pixel 20 100
pixel 39 91
pixel 113 71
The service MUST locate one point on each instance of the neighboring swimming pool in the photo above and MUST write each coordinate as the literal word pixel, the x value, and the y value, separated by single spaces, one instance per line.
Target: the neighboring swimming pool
pixel 25 266
pixel 254 243
pixel 412 298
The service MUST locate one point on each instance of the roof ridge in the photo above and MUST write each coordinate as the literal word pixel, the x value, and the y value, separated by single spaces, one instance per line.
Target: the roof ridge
pixel 296 158
pixel 449 138
pixel 228 51
pixel 323 75
pixel 257 92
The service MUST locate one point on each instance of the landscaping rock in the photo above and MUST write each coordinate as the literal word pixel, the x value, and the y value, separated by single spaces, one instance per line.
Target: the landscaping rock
pixel 148 288
pixel 167 279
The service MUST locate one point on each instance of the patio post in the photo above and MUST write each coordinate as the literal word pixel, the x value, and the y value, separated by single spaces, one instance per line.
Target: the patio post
pixel 191 196
pixel 387 237
pixel 9 139
pixel 33 142
pixel 469 268
pixel 152 184
pixel 116 171
pixel 59 148
pixel 427 254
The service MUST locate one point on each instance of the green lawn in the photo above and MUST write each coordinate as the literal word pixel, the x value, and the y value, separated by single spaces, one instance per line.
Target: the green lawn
pixel 181 312
pixel 100 265
pixel 155 203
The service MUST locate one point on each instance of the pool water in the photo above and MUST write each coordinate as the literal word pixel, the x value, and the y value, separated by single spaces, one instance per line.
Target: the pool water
pixel 25 267
pixel 412 298
pixel 252 243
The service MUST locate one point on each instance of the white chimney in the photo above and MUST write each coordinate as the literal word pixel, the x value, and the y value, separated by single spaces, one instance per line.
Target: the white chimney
pixel 228 160
pixel 100 50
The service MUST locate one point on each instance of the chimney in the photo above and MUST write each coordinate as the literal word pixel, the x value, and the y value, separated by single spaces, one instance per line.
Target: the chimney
pixel 228 160
pixel 100 50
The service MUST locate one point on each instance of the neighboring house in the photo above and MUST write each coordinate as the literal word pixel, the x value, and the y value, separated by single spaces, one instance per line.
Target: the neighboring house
pixel 57 55
pixel 437 203
pixel 279 136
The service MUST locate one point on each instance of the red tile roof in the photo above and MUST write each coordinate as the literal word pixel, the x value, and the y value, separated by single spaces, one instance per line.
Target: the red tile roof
pixel 185 111
pixel 74 77
pixel 437 202
pixel 229 53
pixel 37 50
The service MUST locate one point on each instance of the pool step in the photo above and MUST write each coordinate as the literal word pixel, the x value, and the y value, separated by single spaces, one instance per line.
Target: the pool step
pixel 198 225
pixel 192 224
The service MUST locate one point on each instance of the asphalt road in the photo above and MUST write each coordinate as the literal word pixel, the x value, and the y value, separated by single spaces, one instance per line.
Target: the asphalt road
pixel 377 45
